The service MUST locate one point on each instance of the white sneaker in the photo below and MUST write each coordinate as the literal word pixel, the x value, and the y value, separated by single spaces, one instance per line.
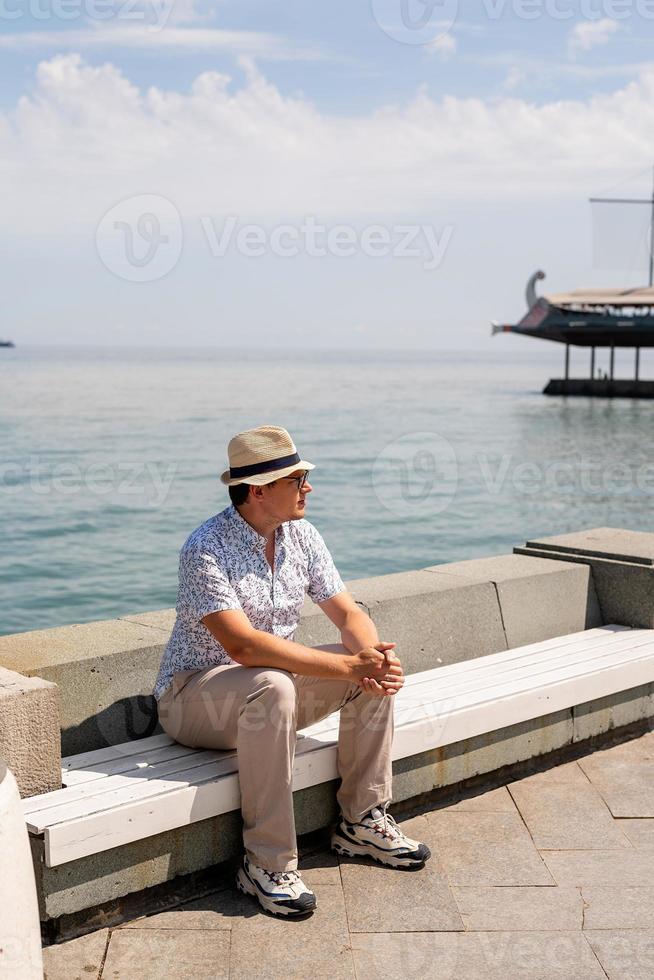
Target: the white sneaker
pixel 379 837
pixel 279 892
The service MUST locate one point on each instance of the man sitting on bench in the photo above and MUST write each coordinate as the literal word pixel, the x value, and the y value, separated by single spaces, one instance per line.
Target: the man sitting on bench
pixel 232 677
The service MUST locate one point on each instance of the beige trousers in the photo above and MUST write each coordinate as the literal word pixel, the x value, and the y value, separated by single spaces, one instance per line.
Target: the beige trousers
pixel 258 711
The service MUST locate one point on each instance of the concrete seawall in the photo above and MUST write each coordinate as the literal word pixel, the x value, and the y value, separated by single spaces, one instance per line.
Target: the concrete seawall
pixel 99 677
pixel 105 670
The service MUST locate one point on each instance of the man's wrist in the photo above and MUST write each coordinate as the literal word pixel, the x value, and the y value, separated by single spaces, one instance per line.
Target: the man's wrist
pixel 346 664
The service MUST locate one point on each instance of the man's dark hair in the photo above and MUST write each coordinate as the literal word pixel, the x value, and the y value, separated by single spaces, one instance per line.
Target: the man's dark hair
pixel 238 494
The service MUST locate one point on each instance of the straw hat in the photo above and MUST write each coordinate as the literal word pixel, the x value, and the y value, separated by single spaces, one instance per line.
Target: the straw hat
pixel 259 456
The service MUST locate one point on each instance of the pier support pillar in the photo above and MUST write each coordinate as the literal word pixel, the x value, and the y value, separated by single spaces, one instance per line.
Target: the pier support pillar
pixel 637 367
pixel 592 363
pixel 612 362
pixel 567 361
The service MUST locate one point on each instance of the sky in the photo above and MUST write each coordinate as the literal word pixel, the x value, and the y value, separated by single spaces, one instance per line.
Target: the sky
pixel 353 173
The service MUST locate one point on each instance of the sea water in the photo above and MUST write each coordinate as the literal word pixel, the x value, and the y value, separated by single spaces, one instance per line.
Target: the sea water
pixel 111 457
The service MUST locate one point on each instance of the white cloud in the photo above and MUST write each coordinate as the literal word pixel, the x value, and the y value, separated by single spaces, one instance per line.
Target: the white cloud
pixel 591 33
pixel 444 46
pixel 86 137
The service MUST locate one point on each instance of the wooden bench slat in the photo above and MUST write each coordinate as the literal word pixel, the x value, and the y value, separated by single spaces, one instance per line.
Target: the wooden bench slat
pixel 67 841
pixel 98 787
pixel 134 762
pixel 111 752
pixel 207 765
pixel 543 674
pixel 430 730
pixel 469 670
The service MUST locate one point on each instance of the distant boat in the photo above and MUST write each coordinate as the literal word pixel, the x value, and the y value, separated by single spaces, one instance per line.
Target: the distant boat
pixel 618 317
pixel 588 317
pixel 7 343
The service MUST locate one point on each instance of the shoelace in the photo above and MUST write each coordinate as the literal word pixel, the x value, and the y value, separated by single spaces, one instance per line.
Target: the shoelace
pixel 388 827
pixel 281 877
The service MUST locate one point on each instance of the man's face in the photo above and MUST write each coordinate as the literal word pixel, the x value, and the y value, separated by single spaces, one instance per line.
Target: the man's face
pixel 285 500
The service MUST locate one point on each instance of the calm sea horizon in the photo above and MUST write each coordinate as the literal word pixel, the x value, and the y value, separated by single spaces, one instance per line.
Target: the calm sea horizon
pixel 112 456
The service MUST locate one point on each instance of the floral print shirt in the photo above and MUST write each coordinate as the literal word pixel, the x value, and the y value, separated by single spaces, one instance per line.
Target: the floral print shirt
pixel 223 565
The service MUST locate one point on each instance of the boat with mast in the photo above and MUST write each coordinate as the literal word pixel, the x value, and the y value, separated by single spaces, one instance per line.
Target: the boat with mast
pixel 594 318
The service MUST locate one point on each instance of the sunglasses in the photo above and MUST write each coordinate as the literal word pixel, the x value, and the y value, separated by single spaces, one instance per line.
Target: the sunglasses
pixel 300 480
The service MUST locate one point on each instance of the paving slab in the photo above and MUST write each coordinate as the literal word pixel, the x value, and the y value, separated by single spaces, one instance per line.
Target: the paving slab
pixel 486 849
pixel 383 899
pixel 492 801
pixel 601 867
pixel 634 748
pixel 624 955
pixel 465 825
pixel 214 911
pixel 566 772
pixel 318 946
pixel 160 954
pixel 627 785
pixel 639 832
pixel 475 956
pixel 78 959
pixel 491 909
pixel 618 907
pixel 566 815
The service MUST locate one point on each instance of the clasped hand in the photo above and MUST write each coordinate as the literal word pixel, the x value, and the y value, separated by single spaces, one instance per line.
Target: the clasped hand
pixel 378 671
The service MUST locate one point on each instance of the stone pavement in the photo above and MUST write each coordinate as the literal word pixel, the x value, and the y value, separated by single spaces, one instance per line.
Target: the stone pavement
pixel 548 876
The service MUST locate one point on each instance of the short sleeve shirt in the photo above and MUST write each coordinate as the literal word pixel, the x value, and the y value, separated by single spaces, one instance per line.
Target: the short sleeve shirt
pixel 223 565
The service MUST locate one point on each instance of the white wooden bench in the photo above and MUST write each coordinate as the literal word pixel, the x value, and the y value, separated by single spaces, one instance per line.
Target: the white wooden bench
pixel 123 793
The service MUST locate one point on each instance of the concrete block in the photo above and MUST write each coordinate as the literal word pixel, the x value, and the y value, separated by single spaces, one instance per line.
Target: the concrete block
pixel 434 619
pixel 613 711
pixel 105 672
pixel 538 598
pixel 614 543
pixel 160 619
pixel 314 627
pixel 625 591
pixel 111 875
pixel 29 731
pixel 450 764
